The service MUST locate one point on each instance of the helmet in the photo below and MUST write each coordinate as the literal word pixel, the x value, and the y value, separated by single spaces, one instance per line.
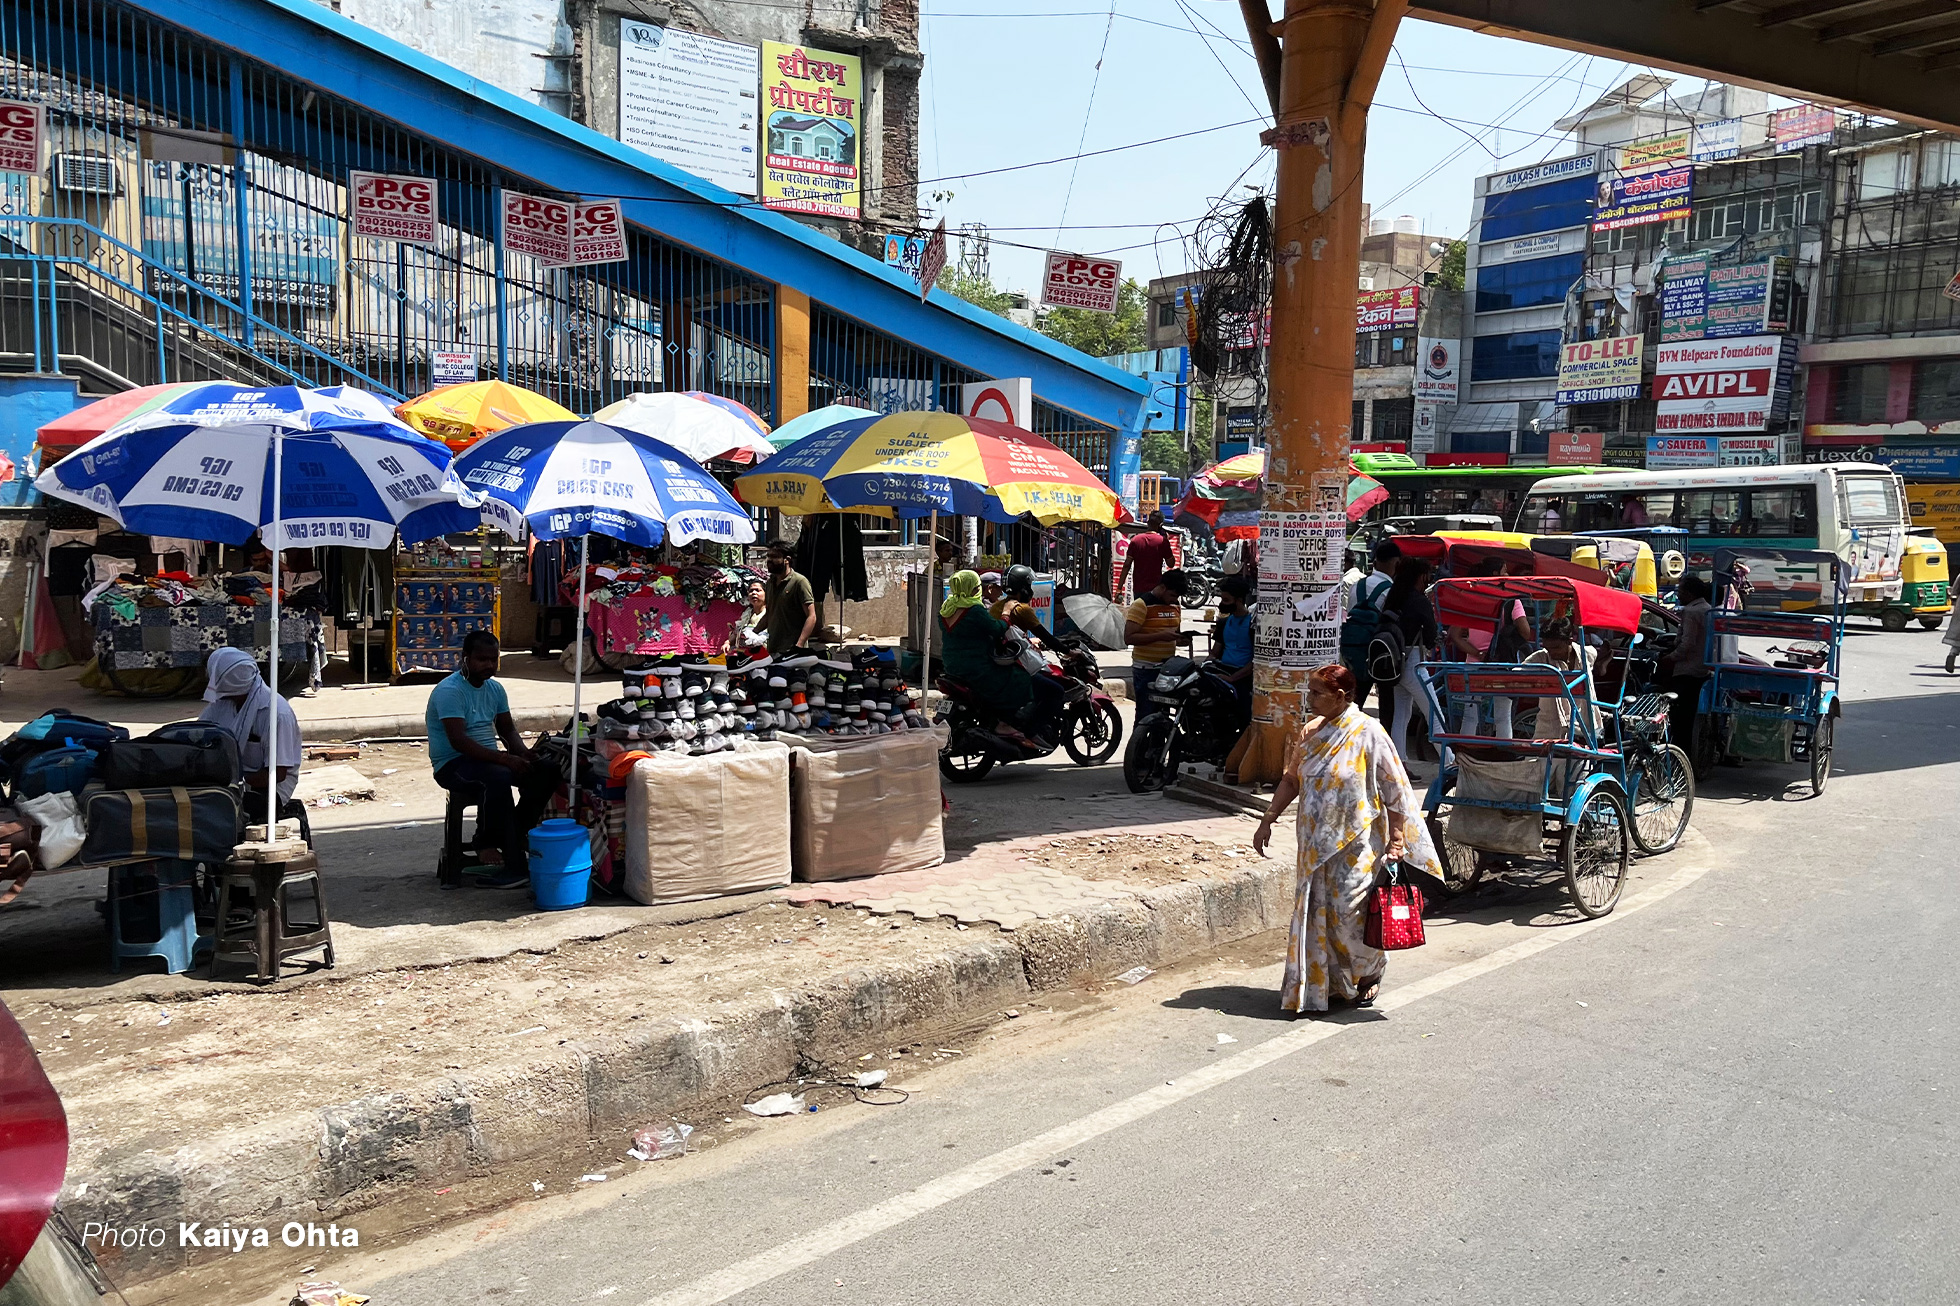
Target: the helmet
pixel 1018 581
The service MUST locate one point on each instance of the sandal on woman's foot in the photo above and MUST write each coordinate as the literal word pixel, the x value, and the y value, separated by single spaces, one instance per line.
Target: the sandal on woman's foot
pixel 1369 990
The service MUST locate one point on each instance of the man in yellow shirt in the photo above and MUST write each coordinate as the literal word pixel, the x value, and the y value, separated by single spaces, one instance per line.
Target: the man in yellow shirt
pixel 1150 627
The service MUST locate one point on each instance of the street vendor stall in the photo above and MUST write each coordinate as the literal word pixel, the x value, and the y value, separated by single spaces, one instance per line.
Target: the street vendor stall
pixel 167 625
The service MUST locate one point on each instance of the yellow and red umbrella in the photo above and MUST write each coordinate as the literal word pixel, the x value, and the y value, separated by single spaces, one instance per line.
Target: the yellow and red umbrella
pixel 1223 492
pixel 460 415
pixel 917 463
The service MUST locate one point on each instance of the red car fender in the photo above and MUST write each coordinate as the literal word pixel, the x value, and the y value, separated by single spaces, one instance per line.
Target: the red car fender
pixel 33 1145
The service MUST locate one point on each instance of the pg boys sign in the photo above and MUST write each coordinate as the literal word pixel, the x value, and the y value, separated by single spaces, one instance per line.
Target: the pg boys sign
pixel 386 207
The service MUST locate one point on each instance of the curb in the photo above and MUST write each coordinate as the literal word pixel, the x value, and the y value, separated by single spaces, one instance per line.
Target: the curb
pixel 329 1163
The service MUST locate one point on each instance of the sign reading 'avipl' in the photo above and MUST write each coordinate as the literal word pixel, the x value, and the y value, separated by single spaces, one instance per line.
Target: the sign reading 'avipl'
pixel 1080 281
pixel 386 207
pixel 1723 385
pixel 22 129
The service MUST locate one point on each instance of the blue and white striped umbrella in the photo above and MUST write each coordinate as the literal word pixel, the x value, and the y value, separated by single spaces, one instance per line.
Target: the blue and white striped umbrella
pixel 200 468
pixel 569 479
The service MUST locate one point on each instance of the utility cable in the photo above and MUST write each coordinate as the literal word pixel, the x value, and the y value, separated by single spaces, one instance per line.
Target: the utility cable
pixel 1088 111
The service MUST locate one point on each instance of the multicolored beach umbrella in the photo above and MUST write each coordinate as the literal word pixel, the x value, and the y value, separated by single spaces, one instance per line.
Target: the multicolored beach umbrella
pixel 918 463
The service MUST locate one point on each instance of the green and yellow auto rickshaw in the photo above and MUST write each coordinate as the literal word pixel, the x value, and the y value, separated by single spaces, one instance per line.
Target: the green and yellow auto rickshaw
pixel 1923 569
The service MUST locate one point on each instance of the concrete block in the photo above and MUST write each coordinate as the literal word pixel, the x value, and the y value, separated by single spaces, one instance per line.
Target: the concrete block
pixel 1183 921
pixel 1122 934
pixel 1053 951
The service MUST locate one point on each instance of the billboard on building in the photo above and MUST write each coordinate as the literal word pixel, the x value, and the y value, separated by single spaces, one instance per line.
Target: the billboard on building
pixel 1594 371
pixel 1648 198
pixel 1701 299
pixel 1716 140
pixel 1387 310
pixel 1575 448
pixel 1723 385
pixel 690 100
pixel 1579 165
pixel 1654 152
pixel 1749 450
pixel 1439 370
pixel 812 110
pixel 1805 124
pixel 1666 453
pixel 190 226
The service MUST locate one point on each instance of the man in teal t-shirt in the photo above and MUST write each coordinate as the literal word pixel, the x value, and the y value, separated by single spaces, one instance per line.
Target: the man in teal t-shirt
pixel 468 716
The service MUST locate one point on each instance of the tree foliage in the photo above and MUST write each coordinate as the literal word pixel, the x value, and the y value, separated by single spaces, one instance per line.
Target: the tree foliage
pixel 1450 273
pixel 1101 334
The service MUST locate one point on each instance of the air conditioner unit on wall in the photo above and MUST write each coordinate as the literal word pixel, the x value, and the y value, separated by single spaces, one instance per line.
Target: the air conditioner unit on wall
pixel 90 174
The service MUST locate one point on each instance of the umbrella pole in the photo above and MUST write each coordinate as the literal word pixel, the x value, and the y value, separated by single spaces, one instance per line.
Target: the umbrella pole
pixel 272 707
pixel 578 669
pixel 932 592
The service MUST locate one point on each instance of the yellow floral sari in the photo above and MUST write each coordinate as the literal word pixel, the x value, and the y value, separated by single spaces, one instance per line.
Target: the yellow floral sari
pixel 1350 780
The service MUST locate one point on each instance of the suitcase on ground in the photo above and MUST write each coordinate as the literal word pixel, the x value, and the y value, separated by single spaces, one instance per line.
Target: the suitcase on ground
pixel 188 755
pixel 190 825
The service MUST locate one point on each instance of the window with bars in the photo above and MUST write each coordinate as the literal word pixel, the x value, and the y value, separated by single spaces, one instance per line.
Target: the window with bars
pixel 1784 209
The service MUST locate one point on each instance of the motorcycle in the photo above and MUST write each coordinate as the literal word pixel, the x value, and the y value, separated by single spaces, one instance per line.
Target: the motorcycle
pixel 1192 716
pixel 1089 727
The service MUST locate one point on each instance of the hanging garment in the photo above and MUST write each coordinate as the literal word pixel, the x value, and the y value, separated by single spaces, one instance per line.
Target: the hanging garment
pixel 830 554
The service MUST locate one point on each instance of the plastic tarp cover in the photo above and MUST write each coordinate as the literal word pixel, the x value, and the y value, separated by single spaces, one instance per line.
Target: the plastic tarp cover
pixel 1489 828
pixel 866 806
pixel 707 827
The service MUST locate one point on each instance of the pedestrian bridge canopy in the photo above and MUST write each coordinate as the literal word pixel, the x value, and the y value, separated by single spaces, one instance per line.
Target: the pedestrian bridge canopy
pixel 1895 58
pixel 189 222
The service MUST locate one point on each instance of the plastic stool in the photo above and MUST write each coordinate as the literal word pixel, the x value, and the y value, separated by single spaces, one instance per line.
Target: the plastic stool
pixel 269 939
pixel 457 856
pixel 176 901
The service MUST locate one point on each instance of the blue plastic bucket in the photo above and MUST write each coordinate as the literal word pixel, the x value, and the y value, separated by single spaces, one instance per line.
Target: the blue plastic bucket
pixel 561 864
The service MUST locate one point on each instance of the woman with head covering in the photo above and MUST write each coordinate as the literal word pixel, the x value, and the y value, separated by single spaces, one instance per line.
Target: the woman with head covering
pixel 236 697
pixel 970 635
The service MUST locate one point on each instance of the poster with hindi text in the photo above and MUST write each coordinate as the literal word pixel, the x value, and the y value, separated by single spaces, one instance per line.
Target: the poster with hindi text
pixel 812 108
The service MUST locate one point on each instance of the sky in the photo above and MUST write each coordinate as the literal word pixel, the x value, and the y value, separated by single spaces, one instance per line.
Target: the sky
pixel 1012 82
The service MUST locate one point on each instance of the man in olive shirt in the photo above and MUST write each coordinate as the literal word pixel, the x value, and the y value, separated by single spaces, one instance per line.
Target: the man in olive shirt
pixel 792 603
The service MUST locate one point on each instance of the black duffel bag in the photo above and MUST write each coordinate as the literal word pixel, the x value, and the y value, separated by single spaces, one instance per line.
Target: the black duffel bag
pixel 183 824
pixel 189 753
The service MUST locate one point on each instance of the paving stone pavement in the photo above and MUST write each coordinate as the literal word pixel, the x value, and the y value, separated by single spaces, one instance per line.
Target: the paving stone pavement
pixel 996 884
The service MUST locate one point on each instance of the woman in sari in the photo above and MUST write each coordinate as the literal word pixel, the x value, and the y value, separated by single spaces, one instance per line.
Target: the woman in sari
pixel 1357 817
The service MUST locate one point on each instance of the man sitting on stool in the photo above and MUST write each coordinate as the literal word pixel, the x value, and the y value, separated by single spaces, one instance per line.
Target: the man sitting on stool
pixel 468 715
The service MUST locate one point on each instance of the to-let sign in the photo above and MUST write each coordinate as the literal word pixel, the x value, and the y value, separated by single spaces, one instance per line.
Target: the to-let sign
pixel 388 207
pixel 22 129
pixel 1081 281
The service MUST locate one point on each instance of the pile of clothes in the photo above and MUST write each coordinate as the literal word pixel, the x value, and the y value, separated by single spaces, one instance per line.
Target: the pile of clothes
pixel 699 585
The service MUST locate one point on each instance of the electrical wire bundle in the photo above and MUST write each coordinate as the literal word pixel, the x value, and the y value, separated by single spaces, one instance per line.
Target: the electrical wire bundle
pixel 1232 302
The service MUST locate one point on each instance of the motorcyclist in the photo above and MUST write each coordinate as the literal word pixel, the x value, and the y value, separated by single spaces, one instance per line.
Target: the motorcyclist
pixel 971 637
pixel 1013 607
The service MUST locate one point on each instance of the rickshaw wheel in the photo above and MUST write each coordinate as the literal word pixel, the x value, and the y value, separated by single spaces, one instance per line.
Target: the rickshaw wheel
pixel 1462 865
pixel 1820 756
pixel 1894 619
pixel 1707 746
pixel 1663 801
pixel 1595 850
pixel 1929 623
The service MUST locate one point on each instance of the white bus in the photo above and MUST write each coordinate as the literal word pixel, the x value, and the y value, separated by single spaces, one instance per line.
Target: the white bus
pixel 1857 511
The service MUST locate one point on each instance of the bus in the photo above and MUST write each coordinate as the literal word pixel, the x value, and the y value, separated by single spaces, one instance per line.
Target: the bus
pixel 1855 510
pixel 1418 491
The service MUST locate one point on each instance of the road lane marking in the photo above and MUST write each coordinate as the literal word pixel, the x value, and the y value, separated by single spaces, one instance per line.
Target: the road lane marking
pixel 855 1228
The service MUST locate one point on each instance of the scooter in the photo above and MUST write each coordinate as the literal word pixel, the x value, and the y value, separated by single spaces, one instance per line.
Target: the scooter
pixel 1089 726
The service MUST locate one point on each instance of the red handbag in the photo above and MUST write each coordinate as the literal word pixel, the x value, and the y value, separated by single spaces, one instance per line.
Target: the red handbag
pixel 1394 915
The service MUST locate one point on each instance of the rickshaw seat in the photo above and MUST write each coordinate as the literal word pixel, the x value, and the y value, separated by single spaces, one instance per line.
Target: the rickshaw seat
pixel 1512 682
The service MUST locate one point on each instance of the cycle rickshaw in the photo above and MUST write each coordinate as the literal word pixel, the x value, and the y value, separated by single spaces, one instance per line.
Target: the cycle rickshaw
pixel 1785 711
pixel 1603 781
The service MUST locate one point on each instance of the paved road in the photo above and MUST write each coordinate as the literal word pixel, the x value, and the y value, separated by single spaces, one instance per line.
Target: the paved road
pixel 1735 1089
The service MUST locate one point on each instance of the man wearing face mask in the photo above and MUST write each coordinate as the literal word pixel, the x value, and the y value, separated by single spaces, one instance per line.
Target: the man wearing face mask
pixel 468 716
pixel 792 605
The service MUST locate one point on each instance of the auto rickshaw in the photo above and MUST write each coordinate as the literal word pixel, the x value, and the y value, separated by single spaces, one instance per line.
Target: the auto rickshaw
pixel 1923 569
